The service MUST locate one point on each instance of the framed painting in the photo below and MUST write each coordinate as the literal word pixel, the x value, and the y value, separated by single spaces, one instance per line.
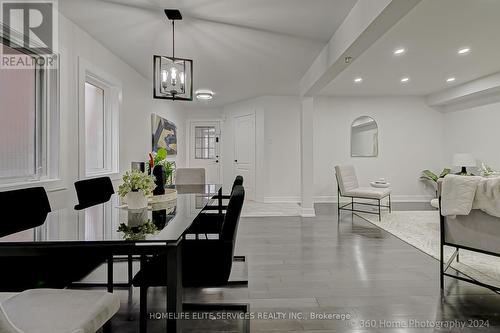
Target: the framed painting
pixel 164 134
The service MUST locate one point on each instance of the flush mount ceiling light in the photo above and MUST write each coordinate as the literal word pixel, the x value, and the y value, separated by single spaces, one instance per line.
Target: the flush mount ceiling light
pixel 464 50
pixel 172 77
pixel 399 51
pixel 405 79
pixel 204 94
pixel 451 79
pixel 358 80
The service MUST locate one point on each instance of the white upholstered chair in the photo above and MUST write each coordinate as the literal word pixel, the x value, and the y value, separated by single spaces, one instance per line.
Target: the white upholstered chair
pixel 56 311
pixel 190 176
pixel 348 186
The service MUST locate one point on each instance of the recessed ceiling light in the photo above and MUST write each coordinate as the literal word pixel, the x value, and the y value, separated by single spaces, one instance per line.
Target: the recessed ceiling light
pixel 204 94
pixel 358 80
pixel 451 79
pixel 464 50
pixel 399 51
pixel 405 79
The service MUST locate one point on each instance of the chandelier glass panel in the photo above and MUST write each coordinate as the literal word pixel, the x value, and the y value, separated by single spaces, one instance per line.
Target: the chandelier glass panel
pixel 173 77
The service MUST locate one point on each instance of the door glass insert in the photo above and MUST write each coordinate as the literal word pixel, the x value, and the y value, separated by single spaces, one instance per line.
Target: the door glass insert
pixel 204 142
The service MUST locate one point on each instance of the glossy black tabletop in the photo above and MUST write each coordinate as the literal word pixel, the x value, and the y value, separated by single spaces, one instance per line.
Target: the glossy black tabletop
pixel 166 220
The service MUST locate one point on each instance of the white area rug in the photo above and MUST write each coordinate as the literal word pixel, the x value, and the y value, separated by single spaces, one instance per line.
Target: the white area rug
pixel 421 229
pixel 260 209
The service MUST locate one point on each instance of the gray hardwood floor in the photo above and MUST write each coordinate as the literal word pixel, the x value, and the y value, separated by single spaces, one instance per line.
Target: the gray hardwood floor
pixel 320 265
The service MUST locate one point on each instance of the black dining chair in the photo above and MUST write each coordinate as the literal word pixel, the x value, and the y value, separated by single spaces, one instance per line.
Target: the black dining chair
pixel 238 181
pixel 28 209
pixel 94 191
pixel 207 262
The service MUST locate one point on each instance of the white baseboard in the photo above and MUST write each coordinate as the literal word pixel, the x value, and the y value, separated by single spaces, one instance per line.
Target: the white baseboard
pixel 307 212
pixel 394 198
pixel 333 199
pixel 290 199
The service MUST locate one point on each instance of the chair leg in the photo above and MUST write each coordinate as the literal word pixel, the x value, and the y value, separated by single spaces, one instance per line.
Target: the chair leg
pixel 390 204
pixel 441 271
pixel 338 205
pixel 379 213
pixel 352 207
pixel 143 315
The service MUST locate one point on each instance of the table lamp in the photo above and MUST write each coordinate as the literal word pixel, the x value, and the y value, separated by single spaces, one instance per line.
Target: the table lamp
pixel 464 160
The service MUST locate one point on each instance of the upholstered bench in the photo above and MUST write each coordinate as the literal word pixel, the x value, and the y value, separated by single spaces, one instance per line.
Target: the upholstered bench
pixel 56 311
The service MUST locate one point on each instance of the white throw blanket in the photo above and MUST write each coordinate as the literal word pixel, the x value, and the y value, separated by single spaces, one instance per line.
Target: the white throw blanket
pixel 461 194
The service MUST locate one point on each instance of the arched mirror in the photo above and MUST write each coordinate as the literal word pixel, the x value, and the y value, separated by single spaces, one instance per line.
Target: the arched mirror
pixel 364 137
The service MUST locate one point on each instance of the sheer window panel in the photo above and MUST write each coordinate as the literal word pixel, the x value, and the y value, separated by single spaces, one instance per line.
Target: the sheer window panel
pixel 95 140
pixel 18 125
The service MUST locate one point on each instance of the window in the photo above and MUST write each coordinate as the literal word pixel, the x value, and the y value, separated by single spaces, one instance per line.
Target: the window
pixel 28 108
pixel 99 105
pixel 205 142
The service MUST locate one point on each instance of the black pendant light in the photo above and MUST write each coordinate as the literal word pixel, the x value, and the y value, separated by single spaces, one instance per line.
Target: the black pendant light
pixel 173 77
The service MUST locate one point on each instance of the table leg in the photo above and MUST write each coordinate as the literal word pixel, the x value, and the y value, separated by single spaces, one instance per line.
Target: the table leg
pixel 220 200
pixel 110 274
pixel 174 286
pixel 107 326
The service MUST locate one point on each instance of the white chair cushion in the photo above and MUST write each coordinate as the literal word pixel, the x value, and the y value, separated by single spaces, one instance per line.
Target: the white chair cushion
pixel 58 311
pixel 346 177
pixel 369 193
pixel 5 296
pixel 189 176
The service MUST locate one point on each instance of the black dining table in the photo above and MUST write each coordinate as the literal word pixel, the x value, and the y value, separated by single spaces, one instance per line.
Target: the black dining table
pixel 97 228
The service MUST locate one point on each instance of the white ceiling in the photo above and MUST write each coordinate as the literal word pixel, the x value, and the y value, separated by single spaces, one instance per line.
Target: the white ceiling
pixel 241 48
pixel 431 34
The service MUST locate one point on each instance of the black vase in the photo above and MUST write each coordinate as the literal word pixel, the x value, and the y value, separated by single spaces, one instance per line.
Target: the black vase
pixel 159 173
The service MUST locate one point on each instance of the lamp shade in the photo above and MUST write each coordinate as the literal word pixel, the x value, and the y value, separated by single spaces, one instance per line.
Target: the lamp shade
pixel 464 160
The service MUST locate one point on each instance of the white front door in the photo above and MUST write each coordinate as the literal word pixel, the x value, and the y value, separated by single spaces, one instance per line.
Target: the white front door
pixel 204 151
pixel 244 152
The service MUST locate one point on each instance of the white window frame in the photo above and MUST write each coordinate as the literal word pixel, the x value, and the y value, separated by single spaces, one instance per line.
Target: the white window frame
pixel 47 126
pixel 112 105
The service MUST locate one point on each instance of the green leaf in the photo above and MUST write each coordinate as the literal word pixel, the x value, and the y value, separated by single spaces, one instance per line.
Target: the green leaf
pixel 444 173
pixel 161 154
pixel 430 175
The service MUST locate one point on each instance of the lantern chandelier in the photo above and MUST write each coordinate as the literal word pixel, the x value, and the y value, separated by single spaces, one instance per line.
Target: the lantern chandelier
pixel 173 77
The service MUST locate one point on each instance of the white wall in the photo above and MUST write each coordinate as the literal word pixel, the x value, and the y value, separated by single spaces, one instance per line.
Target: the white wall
pixel 410 140
pixel 277 146
pixel 137 106
pixel 476 131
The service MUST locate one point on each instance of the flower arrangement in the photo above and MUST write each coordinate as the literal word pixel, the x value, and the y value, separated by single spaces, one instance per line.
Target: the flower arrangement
pixel 487 171
pixel 137 233
pixel 160 158
pixel 135 181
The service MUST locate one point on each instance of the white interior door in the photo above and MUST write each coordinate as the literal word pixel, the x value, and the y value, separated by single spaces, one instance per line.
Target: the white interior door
pixel 205 149
pixel 244 151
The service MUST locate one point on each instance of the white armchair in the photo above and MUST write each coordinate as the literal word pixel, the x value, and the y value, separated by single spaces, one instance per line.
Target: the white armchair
pixel 348 186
